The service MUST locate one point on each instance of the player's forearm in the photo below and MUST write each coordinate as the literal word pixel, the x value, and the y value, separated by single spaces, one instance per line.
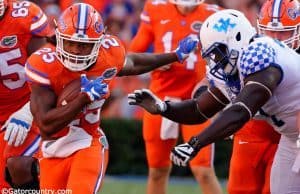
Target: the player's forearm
pixel 150 61
pixel 227 123
pixel 139 63
pixel 55 119
pixel 184 112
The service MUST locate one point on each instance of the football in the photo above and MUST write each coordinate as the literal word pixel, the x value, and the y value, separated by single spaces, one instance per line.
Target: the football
pixel 70 91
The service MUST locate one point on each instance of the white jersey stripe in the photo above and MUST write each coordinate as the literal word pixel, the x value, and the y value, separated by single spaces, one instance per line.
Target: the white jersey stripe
pixel 37 77
pixel 145 18
pixel 39 23
pixel 33 147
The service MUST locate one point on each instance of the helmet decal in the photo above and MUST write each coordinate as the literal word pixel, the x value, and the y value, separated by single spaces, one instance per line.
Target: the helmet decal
pixel 223 25
pixel 293 13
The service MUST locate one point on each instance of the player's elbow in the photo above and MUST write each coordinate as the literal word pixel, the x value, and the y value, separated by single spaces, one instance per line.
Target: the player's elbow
pixel 46 128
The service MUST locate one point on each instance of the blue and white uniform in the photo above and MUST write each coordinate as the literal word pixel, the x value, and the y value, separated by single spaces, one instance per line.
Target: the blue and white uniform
pixel 280 110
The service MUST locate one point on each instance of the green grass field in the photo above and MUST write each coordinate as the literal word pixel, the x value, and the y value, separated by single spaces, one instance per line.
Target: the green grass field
pixel 116 185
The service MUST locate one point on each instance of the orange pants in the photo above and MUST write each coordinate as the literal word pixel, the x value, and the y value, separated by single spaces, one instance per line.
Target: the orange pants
pixel 28 148
pixel 158 149
pixel 252 158
pixel 82 172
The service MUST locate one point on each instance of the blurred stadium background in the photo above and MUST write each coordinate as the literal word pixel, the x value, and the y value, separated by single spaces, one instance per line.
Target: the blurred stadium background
pixel 127 170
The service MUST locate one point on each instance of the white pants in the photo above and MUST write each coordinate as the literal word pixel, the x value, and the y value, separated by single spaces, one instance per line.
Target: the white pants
pixel 283 179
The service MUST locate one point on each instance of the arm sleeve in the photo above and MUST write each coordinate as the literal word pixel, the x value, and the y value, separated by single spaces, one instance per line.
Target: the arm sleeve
pixel 257 57
pixel 39 23
pixel 145 35
pixel 35 71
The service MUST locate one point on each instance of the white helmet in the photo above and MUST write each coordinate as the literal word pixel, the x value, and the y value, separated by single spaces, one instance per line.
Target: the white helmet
pixel 222 36
pixel 186 2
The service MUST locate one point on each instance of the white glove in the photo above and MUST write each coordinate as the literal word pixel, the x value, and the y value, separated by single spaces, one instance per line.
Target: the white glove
pixel 298 142
pixel 181 154
pixel 18 126
pixel 146 99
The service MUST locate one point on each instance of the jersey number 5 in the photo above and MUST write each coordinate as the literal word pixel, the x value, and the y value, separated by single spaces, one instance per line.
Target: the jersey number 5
pixel 9 71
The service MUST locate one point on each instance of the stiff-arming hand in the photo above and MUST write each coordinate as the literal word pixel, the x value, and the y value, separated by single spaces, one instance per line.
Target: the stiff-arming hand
pixel 146 99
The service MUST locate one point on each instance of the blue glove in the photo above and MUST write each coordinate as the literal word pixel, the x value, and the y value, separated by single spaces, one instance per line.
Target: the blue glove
pixel 95 89
pixel 186 46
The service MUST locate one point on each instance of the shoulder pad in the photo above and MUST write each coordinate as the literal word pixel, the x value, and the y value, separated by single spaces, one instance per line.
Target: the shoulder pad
pixel 256 57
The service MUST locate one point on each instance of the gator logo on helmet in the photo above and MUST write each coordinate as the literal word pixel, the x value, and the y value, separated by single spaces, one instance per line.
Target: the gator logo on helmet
pixel 293 13
pixel 62 25
pixel 9 41
pixel 195 26
pixel 109 73
pixel 99 27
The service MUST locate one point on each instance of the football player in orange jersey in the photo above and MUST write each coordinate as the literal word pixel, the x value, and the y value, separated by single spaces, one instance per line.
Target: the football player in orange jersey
pixel 23 26
pixel 74 148
pixel 98 5
pixel 280 19
pixel 164 23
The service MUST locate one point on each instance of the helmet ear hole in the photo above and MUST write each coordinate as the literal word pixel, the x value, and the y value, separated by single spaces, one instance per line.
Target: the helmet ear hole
pixel 238 36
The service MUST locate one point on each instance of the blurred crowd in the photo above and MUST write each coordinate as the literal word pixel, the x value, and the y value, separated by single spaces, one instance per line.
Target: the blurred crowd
pixel 122 18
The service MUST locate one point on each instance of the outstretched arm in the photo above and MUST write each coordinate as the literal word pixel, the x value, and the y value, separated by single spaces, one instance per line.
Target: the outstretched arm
pixel 139 63
pixel 196 110
pixel 256 92
pixel 191 111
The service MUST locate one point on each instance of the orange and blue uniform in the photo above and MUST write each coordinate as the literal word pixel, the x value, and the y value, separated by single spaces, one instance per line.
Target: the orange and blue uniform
pixel 254 147
pixel 66 172
pixel 21 21
pixel 163 26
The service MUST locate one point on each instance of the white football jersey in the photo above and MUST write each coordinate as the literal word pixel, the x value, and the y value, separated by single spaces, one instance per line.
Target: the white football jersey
pixel 282 108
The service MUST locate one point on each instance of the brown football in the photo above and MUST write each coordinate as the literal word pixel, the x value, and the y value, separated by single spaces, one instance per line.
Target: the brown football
pixel 70 91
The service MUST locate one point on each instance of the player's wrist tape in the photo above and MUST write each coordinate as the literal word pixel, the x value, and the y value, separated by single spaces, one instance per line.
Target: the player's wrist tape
pixel 194 143
pixel 298 142
pixel 180 55
pixel 162 105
